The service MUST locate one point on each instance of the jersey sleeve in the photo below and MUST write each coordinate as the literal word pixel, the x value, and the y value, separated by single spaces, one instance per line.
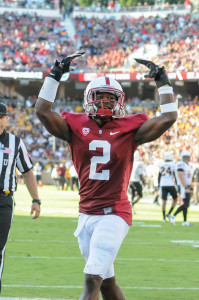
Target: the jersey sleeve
pixel 24 163
pixel 135 121
pixel 66 116
pixel 141 118
pixel 180 166
pixel 74 120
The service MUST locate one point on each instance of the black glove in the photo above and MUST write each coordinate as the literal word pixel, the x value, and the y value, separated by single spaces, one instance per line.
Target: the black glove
pixel 57 71
pixel 159 74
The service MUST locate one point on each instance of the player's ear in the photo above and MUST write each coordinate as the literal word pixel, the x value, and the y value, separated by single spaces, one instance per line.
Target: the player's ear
pixel 7 120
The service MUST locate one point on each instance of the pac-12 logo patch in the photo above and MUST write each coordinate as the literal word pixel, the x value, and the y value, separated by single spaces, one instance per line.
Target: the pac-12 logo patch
pixel 85 131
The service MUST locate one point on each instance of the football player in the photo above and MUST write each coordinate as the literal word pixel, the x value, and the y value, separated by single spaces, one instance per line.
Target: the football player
pixel 103 141
pixel 184 178
pixel 167 183
pixel 137 178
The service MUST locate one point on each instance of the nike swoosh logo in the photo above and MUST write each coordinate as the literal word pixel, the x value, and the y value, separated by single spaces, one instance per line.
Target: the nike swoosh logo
pixel 112 133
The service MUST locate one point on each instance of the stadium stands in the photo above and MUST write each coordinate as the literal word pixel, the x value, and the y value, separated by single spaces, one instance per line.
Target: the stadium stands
pixel 32 42
pixel 39 4
pixel 27 45
pixel 109 44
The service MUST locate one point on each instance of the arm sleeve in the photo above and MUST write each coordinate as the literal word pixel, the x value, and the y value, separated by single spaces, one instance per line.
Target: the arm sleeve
pixel 24 163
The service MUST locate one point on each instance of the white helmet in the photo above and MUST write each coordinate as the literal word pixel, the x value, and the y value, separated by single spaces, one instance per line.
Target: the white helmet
pixel 137 155
pixel 185 153
pixel 168 155
pixel 108 85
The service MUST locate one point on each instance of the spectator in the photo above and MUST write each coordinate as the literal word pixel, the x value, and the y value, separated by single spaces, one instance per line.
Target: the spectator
pixel 117 6
pixel 37 170
pixel 111 5
pixel 55 176
pixel 61 173
pixel 69 9
pixel 74 178
pixel 68 175
pixel 137 178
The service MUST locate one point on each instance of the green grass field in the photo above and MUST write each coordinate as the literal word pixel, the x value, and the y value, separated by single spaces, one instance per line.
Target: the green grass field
pixel 156 261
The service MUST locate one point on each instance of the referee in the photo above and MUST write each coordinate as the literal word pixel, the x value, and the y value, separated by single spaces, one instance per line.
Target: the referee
pixel 13 154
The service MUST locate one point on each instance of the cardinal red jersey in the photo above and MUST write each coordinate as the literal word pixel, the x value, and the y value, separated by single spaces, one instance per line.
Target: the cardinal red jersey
pixel 103 158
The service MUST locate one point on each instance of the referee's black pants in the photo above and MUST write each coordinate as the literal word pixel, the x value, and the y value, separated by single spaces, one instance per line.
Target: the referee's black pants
pixel 6 216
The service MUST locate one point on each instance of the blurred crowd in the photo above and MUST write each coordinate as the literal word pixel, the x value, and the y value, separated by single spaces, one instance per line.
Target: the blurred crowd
pixel 110 44
pixel 182 135
pixel 38 4
pixel 96 6
pixel 181 47
pixel 32 43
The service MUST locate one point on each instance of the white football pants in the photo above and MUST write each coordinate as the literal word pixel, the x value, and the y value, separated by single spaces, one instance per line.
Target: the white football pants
pixel 100 238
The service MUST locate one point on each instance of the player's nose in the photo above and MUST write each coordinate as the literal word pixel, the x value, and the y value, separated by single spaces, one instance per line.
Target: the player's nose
pixel 106 103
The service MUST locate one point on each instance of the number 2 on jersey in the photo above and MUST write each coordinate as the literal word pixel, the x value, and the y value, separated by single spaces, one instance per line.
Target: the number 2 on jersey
pixel 105 174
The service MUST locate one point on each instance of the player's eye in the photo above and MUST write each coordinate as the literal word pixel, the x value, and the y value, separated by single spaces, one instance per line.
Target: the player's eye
pixel 99 97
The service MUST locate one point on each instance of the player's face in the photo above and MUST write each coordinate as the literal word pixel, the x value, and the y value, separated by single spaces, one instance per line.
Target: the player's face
pixel 104 99
pixel 186 158
pixel 3 122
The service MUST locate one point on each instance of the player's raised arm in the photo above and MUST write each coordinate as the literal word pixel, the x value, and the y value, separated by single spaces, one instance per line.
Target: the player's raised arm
pixel 155 127
pixel 53 122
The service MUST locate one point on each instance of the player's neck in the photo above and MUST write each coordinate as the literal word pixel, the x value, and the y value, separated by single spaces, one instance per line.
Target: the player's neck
pixel 100 122
pixel 1 131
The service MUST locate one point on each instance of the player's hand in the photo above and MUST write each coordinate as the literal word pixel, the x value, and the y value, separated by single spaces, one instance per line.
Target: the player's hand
pixel 63 67
pixel 35 210
pixel 65 63
pixel 156 72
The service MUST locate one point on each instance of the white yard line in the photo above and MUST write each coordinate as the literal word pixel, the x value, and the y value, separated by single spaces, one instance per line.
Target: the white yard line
pixel 80 287
pixel 120 259
pixel 73 242
pixel 194 243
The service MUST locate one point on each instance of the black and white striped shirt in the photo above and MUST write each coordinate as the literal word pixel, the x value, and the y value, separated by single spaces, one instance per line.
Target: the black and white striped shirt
pixel 13 154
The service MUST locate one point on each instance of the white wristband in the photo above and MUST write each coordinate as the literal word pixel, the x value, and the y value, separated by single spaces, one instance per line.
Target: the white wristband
pixel 49 89
pixel 168 107
pixel 165 90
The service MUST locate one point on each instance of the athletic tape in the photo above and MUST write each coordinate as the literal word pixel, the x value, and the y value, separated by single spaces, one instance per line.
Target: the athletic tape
pixel 49 89
pixel 168 107
pixel 165 90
